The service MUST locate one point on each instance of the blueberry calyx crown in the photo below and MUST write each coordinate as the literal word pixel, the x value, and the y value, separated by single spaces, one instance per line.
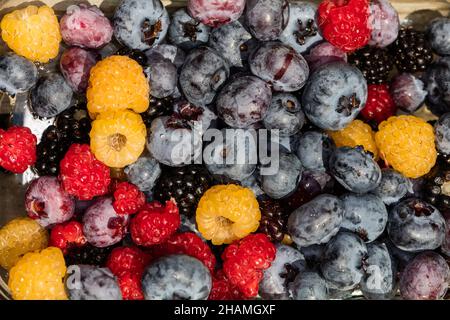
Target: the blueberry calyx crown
pixel 305 31
pixel 346 105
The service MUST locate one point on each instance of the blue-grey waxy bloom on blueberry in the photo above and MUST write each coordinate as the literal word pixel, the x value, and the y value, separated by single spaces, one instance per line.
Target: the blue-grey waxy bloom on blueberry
pixel 202 75
pixel 284 114
pixel 316 221
pixel 244 101
pixel 275 282
pixel 176 277
pixel 144 173
pixel 334 95
pixel 17 74
pixel 301 32
pixel 343 261
pixel 439 36
pixel 286 178
pixel 266 19
pixel 355 169
pixel 230 40
pixel 415 225
pixel 393 186
pixel 309 285
pixel 186 32
pixel 280 65
pixel 162 76
pixel 365 215
pixel 140 24
pixel 437 82
pixel 168 51
pixel 379 280
pixel 51 96
pixel 92 283
pixel 314 150
pixel 442 133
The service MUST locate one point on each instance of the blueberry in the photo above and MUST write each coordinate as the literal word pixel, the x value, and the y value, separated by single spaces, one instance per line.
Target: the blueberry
pixel 252 183
pixel 445 247
pixel 176 277
pixel 140 24
pixel 425 278
pixel 365 215
pixel 379 280
pixel 186 32
pixel 287 176
pixel 17 74
pixel 408 92
pixel 401 257
pixel 51 96
pixel 316 221
pixel 393 186
pixel 162 76
pixel 355 169
pixel 415 225
pixel 235 156
pixel 266 19
pixel 202 75
pixel 280 65
pixel 244 101
pixel 442 132
pixel 144 173
pixel 92 283
pixel 283 270
pixel 334 95
pixel 170 52
pixel 324 53
pixel 343 261
pixel 314 150
pixel 437 81
pixel 309 285
pixel 313 255
pixel 302 32
pixel 439 36
pixel 285 114
pixel 231 41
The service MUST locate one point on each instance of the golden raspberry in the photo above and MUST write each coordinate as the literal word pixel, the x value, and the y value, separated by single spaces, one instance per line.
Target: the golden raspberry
pixel 32 32
pixel 226 213
pixel 117 83
pixel 20 236
pixel 118 138
pixel 39 276
pixel 357 133
pixel 407 144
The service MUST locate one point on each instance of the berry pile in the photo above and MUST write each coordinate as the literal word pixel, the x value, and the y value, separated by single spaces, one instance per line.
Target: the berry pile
pixel 233 149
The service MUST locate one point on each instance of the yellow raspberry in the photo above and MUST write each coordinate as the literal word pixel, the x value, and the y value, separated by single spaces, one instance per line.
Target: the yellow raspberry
pixel 118 138
pixel 117 83
pixel 39 276
pixel 226 213
pixel 20 236
pixel 32 32
pixel 407 144
pixel 357 133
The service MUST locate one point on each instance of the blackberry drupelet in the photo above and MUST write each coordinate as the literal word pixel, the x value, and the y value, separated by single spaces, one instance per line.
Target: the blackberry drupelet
pixel 273 219
pixel 74 125
pixel 374 63
pixel 134 54
pixel 158 108
pixel 185 184
pixel 88 254
pixel 437 186
pixel 411 51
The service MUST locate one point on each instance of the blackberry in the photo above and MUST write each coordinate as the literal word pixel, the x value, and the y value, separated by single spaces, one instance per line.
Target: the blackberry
pixel 307 189
pixel 158 108
pixel 71 126
pixel 436 188
pixel 374 63
pixel 411 51
pixel 185 184
pixel 134 54
pixel 273 219
pixel 88 254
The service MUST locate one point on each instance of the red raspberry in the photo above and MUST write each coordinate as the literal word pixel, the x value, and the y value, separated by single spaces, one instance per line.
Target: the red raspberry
pixel 17 149
pixel 222 289
pixel 187 243
pixel 67 235
pixel 244 261
pixel 379 105
pixel 130 286
pixel 155 223
pixel 344 23
pixel 127 259
pixel 128 199
pixel 82 175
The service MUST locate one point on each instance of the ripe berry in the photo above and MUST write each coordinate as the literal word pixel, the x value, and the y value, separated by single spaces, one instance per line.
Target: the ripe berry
pixel 67 235
pixel 128 199
pixel 17 149
pixel 379 105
